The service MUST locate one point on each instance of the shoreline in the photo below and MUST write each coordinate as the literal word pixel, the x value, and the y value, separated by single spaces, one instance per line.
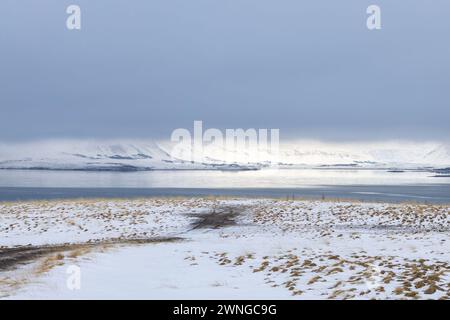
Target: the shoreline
pixel 421 194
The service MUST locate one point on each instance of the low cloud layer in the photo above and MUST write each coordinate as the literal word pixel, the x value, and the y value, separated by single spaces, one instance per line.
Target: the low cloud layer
pixel 143 68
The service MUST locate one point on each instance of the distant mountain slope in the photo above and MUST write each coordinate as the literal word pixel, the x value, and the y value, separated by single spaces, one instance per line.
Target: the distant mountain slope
pixel 152 155
pixel 101 156
pixel 368 155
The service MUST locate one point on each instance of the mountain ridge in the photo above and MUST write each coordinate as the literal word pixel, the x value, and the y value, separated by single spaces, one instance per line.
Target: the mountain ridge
pixel 130 155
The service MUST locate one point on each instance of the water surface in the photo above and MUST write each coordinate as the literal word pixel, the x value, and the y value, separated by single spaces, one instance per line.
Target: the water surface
pixel 370 185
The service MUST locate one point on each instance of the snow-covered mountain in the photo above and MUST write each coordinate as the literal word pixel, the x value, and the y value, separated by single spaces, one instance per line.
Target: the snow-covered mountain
pixel 401 154
pixel 101 156
pixel 150 155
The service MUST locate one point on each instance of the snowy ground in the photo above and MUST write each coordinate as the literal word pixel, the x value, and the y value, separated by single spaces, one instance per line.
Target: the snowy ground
pixel 224 248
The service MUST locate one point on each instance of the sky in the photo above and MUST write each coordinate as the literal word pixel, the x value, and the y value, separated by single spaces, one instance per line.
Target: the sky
pixel 142 68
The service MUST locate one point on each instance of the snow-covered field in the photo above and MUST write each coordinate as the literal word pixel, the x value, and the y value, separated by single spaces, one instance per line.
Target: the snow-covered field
pixel 224 248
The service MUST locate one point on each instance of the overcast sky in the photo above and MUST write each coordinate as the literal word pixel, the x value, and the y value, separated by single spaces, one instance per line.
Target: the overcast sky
pixel 142 68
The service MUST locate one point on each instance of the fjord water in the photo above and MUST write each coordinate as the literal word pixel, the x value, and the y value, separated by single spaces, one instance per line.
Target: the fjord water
pixel 376 185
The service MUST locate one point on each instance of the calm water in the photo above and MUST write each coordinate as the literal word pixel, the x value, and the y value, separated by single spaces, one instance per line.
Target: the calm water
pixel 375 185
